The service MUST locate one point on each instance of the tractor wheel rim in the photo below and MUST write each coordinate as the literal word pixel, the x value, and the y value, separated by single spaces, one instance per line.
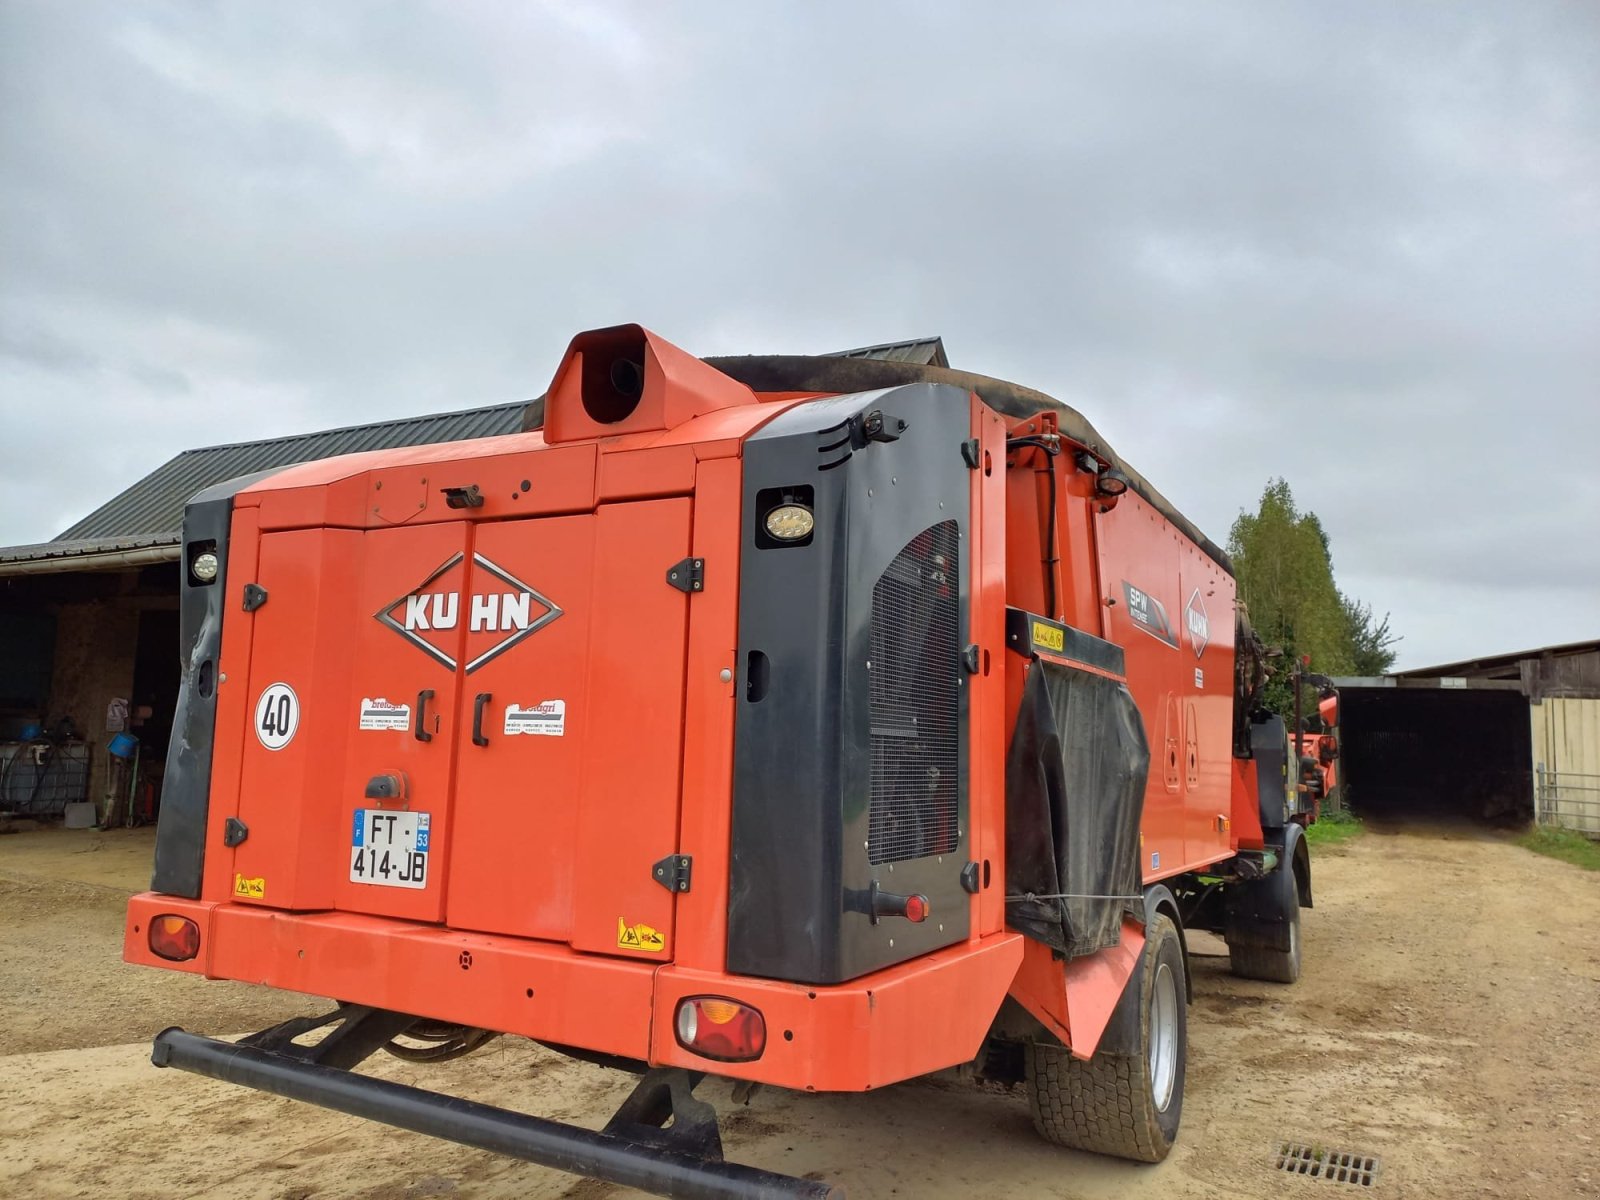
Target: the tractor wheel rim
pixel 1163 1036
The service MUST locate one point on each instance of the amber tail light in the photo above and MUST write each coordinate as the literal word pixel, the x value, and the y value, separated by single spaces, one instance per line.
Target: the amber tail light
pixel 719 1028
pixel 174 938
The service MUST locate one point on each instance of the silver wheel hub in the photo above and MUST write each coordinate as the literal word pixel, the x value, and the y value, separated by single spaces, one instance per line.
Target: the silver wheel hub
pixel 1163 1036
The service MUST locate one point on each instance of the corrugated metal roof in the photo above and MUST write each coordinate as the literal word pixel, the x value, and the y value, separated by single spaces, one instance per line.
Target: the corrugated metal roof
pixel 1497 662
pixel 80 547
pixel 154 506
pixel 925 352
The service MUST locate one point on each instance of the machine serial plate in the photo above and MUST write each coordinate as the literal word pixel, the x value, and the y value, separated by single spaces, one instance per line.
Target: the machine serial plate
pixel 389 848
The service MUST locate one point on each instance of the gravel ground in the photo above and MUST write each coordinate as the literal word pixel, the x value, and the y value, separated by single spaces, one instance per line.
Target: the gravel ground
pixel 1448 1021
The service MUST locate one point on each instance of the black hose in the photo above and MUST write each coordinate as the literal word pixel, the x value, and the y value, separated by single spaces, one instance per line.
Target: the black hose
pixel 1052 555
pixel 446 1042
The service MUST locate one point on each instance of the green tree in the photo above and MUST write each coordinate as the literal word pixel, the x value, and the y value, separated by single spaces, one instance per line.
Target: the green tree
pixel 1285 574
pixel 1370 637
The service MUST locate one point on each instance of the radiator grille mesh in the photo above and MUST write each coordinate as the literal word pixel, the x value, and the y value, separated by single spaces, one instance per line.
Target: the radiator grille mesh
pixel 916 700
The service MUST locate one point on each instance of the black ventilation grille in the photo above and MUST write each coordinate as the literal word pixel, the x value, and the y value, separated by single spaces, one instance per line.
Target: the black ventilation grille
pixel 916 700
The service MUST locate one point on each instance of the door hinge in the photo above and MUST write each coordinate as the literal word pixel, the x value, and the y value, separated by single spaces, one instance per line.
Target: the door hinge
pixel 688 575
pixel 234 831
pixel 673 872
pixel 254 596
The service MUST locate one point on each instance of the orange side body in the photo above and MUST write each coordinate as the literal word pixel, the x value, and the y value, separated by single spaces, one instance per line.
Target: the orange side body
pixel 545 608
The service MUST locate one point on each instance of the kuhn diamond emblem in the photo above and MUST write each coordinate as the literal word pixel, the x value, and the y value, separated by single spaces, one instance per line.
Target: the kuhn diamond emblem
pixel 496 617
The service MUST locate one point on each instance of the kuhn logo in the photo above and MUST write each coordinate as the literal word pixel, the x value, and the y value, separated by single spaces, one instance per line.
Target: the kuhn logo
pixel 507 613
pixel 1197 623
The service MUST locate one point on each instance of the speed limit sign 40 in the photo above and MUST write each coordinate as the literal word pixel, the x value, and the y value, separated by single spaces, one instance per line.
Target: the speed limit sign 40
pixel 277 716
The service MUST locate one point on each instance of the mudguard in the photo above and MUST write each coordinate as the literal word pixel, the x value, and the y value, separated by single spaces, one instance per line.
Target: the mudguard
pixel 1259 910
pixel 1121 1034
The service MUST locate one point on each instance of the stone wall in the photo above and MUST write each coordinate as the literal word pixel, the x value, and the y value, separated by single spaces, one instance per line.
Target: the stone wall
pixel 95 644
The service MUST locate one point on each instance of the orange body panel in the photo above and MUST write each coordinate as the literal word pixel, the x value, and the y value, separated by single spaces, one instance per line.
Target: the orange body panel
pixel 292 858
pixel 1180 670
pixel 921 1016
pixel 988 727
pixel 708 718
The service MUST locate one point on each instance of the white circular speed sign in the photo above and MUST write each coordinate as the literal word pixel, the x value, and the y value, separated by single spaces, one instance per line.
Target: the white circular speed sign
pixel 277 716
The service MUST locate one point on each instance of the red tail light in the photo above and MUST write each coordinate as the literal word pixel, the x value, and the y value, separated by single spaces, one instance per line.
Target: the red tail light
pixel 174 938
pixel 715 1027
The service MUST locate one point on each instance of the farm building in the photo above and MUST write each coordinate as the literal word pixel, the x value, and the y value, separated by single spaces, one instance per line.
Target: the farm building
pixel 1502 739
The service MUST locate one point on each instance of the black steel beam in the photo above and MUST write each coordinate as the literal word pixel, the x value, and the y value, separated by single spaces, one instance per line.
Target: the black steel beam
pixel 483 1126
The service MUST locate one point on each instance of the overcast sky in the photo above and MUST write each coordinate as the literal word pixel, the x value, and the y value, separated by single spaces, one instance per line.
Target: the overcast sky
pixel 1354 245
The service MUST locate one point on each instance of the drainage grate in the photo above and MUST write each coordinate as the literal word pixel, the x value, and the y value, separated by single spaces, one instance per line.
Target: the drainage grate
pixel 1340 1166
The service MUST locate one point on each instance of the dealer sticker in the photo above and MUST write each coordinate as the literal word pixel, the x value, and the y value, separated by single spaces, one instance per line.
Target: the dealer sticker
pixel 381 714
pixel 547 718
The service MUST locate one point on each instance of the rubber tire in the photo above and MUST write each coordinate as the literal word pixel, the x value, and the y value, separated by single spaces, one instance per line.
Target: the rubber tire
pixel 1106 1105
pixel 1263 962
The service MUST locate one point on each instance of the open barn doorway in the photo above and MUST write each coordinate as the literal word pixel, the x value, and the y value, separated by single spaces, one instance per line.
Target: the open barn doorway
pixel 1433 753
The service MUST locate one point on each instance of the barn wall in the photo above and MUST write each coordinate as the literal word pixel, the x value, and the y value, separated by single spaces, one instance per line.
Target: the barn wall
pixel 1566 763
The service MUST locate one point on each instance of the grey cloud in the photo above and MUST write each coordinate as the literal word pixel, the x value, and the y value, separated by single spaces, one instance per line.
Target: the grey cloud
pixel 1355 246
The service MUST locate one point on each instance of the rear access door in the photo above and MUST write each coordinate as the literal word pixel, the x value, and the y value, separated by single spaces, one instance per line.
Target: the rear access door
pixel 352 701
pixel 568 766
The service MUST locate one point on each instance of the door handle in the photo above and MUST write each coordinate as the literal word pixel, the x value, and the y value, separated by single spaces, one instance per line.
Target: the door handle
pixel 477 719
pixel 419 730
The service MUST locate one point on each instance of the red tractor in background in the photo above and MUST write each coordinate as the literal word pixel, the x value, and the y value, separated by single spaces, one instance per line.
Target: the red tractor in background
pixel 1316 741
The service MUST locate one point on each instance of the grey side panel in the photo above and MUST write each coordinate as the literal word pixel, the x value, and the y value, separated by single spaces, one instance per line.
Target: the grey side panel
pixel 817 736
pixel 186 786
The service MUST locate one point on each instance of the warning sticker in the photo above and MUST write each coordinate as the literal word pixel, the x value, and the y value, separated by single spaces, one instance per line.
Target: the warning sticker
pixel 250 889
pixel 380 714
pixel 1049 637
pixel 548 717
pixel 639 937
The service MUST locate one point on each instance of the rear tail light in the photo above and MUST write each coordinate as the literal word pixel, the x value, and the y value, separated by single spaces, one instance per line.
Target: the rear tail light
pixel 176 939
pixel 715 1027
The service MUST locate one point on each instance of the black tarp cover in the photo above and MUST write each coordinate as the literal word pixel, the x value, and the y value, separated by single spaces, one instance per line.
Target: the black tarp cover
pixel 1075 779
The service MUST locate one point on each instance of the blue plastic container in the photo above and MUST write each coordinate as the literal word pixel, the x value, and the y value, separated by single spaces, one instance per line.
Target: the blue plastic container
pixel 123 745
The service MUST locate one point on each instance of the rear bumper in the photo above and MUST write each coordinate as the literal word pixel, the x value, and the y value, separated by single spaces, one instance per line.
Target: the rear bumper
pixel 603 1155
pixel 921 1016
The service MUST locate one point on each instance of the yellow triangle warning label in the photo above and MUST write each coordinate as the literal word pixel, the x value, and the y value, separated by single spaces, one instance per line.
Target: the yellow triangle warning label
pixel 639 937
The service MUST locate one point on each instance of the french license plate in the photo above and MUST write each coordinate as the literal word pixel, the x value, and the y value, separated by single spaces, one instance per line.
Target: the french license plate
pixel 389 848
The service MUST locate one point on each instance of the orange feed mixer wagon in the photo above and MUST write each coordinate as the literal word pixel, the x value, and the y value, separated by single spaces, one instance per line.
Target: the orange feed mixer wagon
pixel 809 722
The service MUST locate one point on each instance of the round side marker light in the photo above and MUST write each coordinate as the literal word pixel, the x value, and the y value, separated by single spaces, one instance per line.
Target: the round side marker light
pixel 916 909
pixel 790 522
pixel 205 567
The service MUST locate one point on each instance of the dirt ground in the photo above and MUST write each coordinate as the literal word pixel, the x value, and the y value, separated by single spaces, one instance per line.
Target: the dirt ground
pixel 1448 1021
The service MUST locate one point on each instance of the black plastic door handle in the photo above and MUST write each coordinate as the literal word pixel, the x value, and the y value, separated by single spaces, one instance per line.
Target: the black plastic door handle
pixel 419 730
pixel 477 719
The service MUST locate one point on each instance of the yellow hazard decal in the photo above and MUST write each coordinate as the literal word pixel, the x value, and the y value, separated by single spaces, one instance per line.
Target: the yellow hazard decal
pixel 1049 637
pixel 639 937
pixel 250 889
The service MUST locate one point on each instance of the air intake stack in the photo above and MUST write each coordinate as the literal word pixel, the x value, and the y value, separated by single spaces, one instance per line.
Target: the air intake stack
pixel 625 379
